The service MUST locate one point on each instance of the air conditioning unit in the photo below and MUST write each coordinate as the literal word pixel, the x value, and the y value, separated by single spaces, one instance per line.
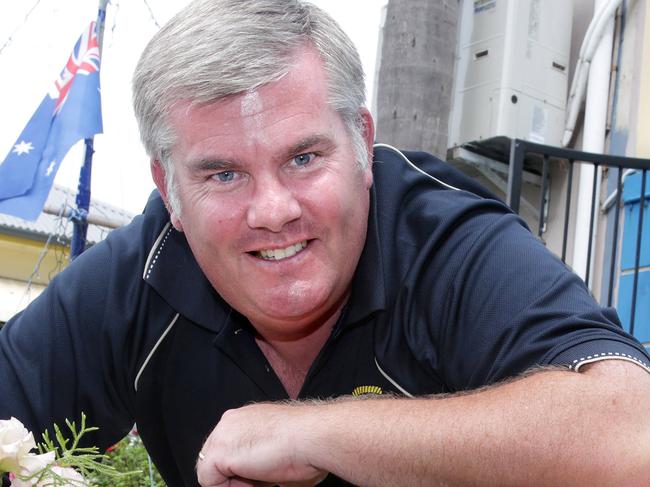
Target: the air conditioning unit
pixel 512 70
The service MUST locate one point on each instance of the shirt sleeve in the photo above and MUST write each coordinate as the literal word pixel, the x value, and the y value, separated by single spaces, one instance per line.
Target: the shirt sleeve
pixel 513 305
pixel 69 351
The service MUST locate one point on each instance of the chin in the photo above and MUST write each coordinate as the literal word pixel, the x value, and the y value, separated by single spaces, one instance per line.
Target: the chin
pixel 292 312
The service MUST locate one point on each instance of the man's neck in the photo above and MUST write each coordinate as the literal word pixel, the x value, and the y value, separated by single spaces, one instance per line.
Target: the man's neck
pixel 292 359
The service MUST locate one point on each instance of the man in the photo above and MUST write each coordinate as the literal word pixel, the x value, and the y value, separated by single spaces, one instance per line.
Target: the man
pixel 284 262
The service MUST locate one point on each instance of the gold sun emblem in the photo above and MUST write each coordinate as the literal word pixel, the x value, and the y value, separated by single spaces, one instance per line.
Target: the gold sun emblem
pixel 364 390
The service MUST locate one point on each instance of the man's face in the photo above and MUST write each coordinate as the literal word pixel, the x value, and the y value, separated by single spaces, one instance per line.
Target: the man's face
pixel 274 205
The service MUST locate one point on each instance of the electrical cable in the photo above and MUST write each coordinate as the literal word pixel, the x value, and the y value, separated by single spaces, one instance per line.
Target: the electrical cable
pixel 11 36
pixel 151 14
pixel 116 10
pixel 56 234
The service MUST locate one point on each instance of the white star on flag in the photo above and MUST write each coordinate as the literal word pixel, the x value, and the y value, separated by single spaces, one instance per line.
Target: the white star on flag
pixel 23 147
pixel 50 168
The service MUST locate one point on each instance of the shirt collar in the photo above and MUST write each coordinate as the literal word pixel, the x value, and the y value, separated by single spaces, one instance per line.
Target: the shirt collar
pixel 173 272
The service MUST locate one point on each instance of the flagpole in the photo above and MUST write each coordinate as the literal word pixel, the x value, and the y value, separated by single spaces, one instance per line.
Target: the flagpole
pixel 80 217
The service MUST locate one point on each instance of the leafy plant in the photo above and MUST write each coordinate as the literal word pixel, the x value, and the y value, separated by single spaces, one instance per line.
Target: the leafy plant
pixel 87 460
pixel 63 461
pixel 129 455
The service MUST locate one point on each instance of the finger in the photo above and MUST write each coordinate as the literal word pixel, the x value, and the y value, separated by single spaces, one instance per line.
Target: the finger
pixel 208 475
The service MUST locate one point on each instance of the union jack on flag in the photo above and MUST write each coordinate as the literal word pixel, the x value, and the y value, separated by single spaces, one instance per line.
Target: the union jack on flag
pixel 70 112
pixel 83 60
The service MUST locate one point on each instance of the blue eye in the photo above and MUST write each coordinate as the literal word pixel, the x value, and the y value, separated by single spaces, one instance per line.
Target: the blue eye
pixel 225 176
pixel 303 159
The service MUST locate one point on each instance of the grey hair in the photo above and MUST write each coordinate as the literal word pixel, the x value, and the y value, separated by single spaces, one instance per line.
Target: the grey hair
pixel 215 48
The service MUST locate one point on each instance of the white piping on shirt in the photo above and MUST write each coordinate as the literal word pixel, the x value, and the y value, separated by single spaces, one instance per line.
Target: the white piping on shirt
pixel 163 233
pixel 608 356
pixel 153 350
pixel 392 381
pixel 448 186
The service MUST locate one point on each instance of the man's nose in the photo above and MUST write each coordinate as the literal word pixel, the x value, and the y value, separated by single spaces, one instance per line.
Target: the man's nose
pixel 272 205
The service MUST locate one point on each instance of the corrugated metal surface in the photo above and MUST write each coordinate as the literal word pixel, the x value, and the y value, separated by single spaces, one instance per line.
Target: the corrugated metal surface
pixel 47 224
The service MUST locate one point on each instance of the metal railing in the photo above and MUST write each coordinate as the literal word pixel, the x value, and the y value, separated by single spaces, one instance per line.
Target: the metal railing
pixel 520 150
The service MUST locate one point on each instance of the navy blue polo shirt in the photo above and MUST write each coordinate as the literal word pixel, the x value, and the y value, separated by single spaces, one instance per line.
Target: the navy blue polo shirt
pixel 451 293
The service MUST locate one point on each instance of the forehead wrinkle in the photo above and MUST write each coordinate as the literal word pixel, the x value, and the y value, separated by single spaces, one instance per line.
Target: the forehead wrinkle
pixel 285 118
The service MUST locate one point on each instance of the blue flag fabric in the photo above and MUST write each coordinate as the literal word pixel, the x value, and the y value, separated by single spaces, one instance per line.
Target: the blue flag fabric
pixel 69 113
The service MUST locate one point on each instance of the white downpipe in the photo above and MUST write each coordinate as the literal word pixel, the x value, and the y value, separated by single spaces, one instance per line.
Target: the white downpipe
pixel 593 140
pixel 602 19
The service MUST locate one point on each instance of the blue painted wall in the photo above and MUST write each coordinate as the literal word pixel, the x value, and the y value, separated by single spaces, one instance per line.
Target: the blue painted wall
pixel 632 199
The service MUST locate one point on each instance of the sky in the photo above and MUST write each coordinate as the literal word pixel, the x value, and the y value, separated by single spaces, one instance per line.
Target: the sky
pixel 33 52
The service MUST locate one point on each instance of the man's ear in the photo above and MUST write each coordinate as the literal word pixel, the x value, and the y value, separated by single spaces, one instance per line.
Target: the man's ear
pixel 369 138
pixel 160 179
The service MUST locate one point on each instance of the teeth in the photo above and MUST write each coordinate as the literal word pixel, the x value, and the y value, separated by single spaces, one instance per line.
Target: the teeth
pixel 278 254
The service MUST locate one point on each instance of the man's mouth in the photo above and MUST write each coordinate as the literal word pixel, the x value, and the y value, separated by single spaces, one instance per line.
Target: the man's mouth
pixel 279 254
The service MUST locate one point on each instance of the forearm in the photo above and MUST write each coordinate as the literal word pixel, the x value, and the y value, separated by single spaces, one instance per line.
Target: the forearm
pixel 552 428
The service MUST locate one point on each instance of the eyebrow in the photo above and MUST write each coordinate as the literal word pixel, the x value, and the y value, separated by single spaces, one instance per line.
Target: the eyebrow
pixel 308 143
pixel 204 165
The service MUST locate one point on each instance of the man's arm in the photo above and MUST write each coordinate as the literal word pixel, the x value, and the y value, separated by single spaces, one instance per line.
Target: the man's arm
pixel 70 351
pixel 550 428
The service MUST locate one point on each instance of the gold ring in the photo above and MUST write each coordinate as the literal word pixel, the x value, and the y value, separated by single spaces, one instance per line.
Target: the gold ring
pixel 201 456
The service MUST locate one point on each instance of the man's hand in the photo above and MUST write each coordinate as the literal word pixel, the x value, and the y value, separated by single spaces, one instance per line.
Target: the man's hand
pixel 255 446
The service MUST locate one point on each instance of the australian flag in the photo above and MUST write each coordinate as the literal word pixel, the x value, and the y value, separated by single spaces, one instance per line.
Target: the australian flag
pixel 71 111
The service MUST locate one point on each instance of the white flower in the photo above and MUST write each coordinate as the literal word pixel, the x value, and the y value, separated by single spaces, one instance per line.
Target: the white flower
pixel 28 469
pixel 33 463
pixel 15 444
pixel 71 478
pixel 15 456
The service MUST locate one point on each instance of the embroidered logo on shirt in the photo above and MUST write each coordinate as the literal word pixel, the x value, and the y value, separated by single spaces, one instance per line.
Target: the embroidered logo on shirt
pixel 365 390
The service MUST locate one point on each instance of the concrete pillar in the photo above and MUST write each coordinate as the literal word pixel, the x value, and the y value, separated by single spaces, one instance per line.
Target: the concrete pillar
pixel 414 88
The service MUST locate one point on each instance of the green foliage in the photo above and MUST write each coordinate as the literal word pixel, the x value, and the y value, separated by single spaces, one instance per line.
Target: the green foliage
pixel 126 464
pixel 129 455
pixel 86 460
